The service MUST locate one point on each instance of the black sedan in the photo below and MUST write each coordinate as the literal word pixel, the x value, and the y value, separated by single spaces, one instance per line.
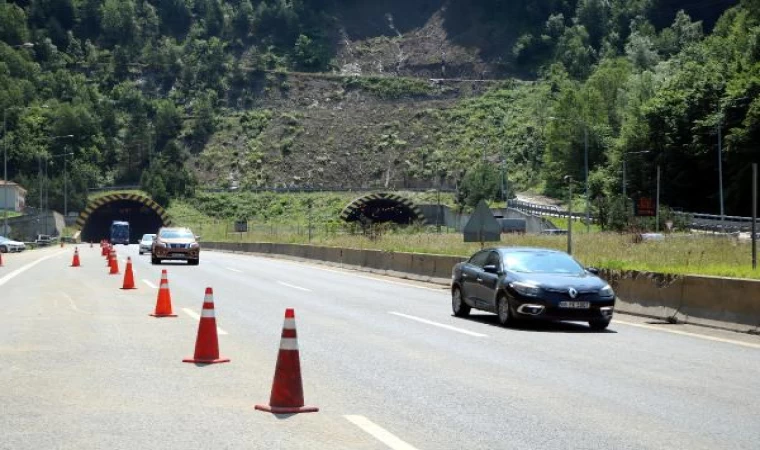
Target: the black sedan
pixel 531 283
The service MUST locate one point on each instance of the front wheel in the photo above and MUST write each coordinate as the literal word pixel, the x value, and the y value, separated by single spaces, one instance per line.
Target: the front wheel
pixel 193 262
pixel 154 260
pixel 458 306
pixel 599 324
pixel 502 311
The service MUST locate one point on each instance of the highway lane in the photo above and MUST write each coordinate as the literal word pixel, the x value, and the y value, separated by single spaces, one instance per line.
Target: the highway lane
pixel 385 350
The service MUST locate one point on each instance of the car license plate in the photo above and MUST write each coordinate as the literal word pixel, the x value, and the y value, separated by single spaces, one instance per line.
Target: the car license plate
pixel 574 305
pixel 178 255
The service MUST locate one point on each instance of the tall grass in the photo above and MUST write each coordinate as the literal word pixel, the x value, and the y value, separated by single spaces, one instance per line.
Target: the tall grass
pixel 676 254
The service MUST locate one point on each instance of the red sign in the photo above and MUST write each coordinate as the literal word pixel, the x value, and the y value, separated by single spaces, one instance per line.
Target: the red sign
pixel 645 206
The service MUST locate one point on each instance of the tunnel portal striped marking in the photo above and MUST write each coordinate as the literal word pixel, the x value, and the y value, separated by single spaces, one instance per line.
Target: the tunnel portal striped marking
pixel 379 433
pixel 439 325
pixel 93 205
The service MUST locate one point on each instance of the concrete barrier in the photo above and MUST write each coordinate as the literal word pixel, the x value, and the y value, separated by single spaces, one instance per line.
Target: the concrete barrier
pixel 719 302
pixel 730 303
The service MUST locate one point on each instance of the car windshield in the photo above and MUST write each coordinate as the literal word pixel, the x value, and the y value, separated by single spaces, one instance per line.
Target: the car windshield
pixel 176 234
pixel 542 262
pixel 147 237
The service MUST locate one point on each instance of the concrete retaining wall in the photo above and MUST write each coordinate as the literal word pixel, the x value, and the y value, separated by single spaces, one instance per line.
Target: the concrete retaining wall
pixel 719 302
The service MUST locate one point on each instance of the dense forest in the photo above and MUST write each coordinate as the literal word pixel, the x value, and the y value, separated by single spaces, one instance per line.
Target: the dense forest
pixel 143 86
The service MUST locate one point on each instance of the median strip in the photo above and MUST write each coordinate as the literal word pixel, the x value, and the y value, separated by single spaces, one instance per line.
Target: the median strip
pixel 379 433
pixel 436 324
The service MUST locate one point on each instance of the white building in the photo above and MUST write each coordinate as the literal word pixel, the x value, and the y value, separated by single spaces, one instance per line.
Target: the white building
pixel 14 195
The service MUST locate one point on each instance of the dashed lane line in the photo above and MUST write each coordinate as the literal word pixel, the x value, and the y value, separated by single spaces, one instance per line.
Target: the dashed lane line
pixel 379 433
pixel 197 316
pixel 292 286
pixel 234 270
pixel 686 333
pixel 150 285
pixel 436 324
pixel 23 269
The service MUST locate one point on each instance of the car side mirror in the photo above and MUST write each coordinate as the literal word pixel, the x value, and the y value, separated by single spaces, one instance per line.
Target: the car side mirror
pixel 592 270
pixel 490 268
pixel 197 238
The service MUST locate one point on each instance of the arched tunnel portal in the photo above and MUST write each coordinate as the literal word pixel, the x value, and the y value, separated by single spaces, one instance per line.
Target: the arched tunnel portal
pixel 382 207
pixel 143 214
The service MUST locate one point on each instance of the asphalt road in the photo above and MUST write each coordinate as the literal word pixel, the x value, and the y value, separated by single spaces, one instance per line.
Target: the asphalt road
pixel 84 366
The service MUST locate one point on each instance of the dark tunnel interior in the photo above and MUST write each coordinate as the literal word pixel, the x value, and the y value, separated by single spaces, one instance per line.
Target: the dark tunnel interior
pixel 141 218
pixel 383 210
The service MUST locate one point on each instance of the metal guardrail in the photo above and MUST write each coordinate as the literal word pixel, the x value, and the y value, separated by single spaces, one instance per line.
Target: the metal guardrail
pixel 543 210
pixel 697 221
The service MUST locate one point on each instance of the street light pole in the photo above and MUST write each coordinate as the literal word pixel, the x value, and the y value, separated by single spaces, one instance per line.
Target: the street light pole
pixel 720 171
pixel 569 180
pixel 588 201
pixel 5 172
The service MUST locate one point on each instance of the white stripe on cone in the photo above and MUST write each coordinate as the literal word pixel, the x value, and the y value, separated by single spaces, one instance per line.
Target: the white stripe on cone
pixel 289 344
pixel 290 324
pixel 208 313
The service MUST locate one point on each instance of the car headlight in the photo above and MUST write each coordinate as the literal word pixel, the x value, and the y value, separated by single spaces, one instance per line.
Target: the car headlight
pixel 526 289
pixel 606 291
pixel 194 245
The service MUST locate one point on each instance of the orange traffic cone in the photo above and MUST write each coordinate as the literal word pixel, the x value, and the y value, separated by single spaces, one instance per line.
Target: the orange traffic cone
pixel 114 264
pixel 75 261
pixel 164 300
pixel 1 259
pixel 207 342
pixel 129 277
pixel 287 389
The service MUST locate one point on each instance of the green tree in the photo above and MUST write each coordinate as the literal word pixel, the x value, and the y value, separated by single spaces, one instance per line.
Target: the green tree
pixel 481 182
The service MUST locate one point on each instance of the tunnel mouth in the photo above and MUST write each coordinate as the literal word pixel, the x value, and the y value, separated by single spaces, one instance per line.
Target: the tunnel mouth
pixel 143 214
pixel 142 220
pixel 382 208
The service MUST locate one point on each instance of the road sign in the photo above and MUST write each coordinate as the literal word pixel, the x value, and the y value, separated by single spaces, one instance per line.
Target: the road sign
pixel 645 207
pixel 482 226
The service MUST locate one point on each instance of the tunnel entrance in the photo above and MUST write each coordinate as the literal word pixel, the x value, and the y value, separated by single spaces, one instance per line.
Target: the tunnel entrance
pixel 143 214
pixel 382 207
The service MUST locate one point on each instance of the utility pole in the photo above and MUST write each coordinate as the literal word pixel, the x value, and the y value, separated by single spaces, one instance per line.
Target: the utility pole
pixel 754 216
pixel 569 181
pixel 720 170
pixel 5 173
pixel 588 201
pixel 657 206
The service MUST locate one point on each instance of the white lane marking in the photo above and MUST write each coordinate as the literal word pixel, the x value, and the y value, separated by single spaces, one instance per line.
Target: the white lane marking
pixel 400 283
pixel 151 285
pixel 234 270
pixel 293 286
pixel 686 333
pixel 197 316
pixel 352 272
pixel 23 269
pixel 379 433
pixel 436 324
pixel 73 305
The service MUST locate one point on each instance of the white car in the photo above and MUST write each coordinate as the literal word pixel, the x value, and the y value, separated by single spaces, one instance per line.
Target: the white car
pixel 146 242
pixel 7 245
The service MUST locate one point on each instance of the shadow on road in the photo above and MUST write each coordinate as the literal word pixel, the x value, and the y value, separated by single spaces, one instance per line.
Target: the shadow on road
pixel 536 326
